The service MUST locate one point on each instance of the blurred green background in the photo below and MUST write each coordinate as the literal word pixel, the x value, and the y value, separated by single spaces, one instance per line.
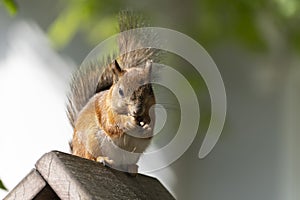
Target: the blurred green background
pixel 212 23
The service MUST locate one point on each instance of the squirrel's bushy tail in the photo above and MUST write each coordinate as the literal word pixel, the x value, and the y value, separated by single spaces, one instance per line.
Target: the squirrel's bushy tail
pixel 82 88
pixel 135 43
pixel 93 78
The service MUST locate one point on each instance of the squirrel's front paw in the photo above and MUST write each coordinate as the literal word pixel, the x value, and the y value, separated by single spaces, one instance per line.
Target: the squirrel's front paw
pixel 138 129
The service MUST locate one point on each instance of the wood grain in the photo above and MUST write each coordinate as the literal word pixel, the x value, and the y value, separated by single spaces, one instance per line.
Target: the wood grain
pixel 33 186
pixel 72 177
pixel 62 176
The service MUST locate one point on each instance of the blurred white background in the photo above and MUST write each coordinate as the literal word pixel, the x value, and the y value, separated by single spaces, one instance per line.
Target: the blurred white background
pixel 33 82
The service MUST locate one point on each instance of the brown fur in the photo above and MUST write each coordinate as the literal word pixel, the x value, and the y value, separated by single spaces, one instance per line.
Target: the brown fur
pixel 79 149
pixel 108 120
pixel 98 115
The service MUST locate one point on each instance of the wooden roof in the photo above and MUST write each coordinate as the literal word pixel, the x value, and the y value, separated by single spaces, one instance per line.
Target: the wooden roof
pixel 63 176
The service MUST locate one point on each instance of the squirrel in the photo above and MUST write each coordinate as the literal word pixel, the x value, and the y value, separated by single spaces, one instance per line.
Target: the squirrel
pixel 110 110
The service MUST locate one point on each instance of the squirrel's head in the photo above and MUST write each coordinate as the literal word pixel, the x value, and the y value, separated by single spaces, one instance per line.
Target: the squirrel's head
pixel 132 92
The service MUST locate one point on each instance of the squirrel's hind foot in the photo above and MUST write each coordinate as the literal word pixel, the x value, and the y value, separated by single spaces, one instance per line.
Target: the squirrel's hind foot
pixel 105 161
pixel 131 169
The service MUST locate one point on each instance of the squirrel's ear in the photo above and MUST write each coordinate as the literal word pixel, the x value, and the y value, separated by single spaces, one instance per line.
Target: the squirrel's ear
pixel 117 67
pixel 148 67
pixel 117 71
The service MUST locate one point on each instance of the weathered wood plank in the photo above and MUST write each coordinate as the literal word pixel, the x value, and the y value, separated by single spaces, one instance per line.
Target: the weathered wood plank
pixel 72 177
pixel 54 171
pixel 28 188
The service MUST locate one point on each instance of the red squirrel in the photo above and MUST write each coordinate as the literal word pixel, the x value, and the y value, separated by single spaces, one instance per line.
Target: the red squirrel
pixel 110 109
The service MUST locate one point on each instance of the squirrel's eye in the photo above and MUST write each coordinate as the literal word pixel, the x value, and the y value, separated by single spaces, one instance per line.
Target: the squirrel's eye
pixel 121 93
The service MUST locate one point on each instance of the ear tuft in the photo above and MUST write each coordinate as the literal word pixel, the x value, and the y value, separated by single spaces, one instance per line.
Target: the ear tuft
pixel 148 67
pixel 116 68
pixel 117 71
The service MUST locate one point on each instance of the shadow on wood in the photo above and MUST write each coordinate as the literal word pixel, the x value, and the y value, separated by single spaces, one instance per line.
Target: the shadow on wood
pixel 62 176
